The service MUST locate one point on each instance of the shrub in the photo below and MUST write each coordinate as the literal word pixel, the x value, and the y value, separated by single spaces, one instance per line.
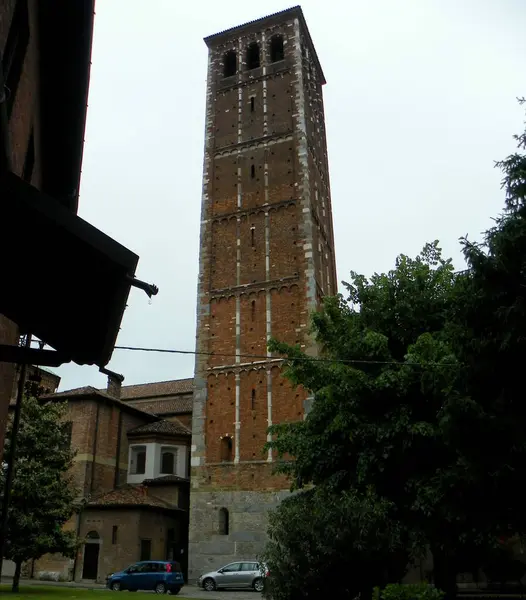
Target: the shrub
pixel 415 591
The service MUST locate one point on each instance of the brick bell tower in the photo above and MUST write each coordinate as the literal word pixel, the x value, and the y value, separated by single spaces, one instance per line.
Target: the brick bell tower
pixel 266 260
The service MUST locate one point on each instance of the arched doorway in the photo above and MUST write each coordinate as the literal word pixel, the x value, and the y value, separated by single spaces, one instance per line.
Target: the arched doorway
pixel 90 567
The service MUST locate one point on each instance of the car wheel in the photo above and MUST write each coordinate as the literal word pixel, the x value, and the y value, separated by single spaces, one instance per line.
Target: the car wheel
pixel 116 586
pixel 209 585
pixel 259 584
pixel 160 588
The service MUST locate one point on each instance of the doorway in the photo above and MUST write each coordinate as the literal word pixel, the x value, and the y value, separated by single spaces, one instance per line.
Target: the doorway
pixel 90 568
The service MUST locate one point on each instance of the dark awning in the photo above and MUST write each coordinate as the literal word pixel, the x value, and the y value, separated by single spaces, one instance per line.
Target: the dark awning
pixel 62 279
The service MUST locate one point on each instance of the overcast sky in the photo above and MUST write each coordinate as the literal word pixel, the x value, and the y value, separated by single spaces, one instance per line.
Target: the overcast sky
pixel 419 103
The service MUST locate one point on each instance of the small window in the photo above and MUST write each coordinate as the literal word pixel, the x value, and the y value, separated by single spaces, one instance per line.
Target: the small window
pixel 253 399
pixel 253 310
pixel 252 236
pixel 223 521
pixel 253 56
pixel 138 460
pixel 146 549
pixel 114 530
pixel 252 171
pixel 226 449
pixel 168 462
pixel 93 535
pixel 230 63
pixel 277 50
pixel 252 104
pixel 67 432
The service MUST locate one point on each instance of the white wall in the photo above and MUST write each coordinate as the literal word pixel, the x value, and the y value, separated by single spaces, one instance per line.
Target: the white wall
pixel 153 462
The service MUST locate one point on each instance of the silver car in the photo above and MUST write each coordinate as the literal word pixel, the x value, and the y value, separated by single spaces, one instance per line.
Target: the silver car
pixel 242 574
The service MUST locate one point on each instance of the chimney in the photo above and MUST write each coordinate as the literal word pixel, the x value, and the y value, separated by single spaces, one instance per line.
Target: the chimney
pixel 115 380
pixel 114 385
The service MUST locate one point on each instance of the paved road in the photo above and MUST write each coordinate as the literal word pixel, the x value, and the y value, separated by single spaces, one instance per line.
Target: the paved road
pixel 192 591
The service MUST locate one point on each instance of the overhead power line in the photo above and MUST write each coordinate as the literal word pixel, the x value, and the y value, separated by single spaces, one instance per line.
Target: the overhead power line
pixel 279 358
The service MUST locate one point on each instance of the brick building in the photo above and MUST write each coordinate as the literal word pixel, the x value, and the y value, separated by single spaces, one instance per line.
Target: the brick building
pixel 266 260
pixel 132 474
pixel 44 76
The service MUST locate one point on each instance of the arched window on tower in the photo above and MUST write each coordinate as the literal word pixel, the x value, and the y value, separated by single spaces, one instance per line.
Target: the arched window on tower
pixel 253 56
pixel 277 49
pixel 230 63
pixel 223 521
pixel 226 448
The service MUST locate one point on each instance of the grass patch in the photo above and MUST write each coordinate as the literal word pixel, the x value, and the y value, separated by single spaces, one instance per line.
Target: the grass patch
pixel 50 592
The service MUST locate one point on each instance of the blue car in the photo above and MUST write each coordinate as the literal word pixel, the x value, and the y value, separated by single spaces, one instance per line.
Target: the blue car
pixel 161 576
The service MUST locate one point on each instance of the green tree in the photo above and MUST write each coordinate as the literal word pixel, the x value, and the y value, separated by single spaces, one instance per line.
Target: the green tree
pixel 417 392
pixel 323 544
pixel 43 494
pixel 492 345
pixel 385 390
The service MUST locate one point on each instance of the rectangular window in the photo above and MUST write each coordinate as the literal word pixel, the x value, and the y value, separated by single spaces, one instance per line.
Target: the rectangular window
pixel 67 431
pixel 114 534
pixel 146 550
pixel 15 52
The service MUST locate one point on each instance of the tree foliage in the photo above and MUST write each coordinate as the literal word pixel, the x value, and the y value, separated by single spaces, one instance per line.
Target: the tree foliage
pixel 325 535
pixel 43 495
pixel 417 392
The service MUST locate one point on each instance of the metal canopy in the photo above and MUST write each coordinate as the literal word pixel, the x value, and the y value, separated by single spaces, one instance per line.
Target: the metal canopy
pixel 62 279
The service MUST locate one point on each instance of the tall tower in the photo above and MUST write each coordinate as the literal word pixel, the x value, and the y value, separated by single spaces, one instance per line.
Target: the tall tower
pixel 266 260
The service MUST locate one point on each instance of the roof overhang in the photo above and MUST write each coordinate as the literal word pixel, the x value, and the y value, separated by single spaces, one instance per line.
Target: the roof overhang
pixel 64 61
pixel 63 280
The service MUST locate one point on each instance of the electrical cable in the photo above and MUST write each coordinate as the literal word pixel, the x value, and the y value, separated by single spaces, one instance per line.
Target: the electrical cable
pixel 278 358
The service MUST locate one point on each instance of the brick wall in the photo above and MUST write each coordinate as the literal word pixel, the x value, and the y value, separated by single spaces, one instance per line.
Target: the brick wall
pixel 266 260
pixel 24 118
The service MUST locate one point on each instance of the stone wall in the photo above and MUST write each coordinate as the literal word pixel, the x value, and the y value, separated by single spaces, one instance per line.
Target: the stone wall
pixel 248 517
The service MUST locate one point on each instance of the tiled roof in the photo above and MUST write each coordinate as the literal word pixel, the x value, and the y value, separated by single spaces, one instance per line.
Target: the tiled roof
pixel 129 496
pixel 166 479
pixel 159 388
pixel 166 406
pixel 89 391
pixel 164 427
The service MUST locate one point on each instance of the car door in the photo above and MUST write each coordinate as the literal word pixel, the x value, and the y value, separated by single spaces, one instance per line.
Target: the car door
pixel 249 572
pixel 230 576
pixel 129 580
pixel 144 577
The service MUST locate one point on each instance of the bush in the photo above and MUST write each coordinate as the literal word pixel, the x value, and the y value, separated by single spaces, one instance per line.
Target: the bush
pixel 315 535
pixel 415 591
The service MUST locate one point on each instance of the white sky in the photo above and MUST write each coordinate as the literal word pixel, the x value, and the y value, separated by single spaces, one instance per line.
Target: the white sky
pixel 420 101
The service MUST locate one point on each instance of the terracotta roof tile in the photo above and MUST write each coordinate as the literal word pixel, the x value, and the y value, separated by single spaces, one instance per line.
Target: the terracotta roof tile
pixel 129 496
pixel 165 427
pixel 166 406
pixel 89 391
pixel 159 388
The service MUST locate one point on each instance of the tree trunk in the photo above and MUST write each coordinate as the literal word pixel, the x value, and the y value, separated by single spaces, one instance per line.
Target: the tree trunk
pixel 16 578
pixel 444 573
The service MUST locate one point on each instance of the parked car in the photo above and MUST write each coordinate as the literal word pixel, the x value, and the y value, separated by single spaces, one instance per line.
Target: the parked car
pixel 161 576
pixel 236 575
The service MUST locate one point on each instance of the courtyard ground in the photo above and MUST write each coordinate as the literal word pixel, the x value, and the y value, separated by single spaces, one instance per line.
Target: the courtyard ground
pixel 48 591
